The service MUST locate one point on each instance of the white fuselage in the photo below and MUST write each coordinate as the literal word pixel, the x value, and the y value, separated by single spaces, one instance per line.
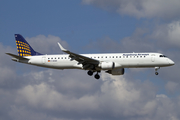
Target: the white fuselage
pixel 112 63
pixel 121 60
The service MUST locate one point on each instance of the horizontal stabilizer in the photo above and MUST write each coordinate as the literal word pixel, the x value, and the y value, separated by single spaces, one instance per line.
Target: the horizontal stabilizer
pixel 17 57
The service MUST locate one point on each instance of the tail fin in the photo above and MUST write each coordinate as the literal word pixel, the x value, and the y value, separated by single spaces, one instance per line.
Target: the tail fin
pixel 23 48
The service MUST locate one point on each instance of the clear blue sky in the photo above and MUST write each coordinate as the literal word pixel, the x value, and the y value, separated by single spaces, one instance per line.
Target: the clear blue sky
pixel 87 26
pixel 70 20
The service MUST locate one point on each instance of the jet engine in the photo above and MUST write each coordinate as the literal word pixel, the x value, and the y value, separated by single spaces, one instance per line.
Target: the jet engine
pixel 107 65
pixel 119 71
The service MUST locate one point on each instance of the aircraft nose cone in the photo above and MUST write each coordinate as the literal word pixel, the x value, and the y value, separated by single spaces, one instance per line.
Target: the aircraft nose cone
pixel 171 62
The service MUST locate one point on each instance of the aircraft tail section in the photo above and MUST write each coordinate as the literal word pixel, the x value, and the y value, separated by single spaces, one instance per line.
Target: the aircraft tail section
pixel 23 47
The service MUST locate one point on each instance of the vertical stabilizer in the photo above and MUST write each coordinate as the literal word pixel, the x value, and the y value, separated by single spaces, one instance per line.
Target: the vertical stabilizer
pixel 23 47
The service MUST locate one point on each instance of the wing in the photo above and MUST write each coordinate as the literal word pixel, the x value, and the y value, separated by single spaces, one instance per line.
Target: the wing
pixel 85 61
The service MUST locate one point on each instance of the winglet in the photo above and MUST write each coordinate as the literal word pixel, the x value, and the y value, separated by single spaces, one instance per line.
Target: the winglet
pixel 61 47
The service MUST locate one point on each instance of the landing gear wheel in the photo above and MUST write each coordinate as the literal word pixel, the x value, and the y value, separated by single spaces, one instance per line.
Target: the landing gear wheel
pixel 156 69
pixel 156 73
pixel 97 76
pixel 90 73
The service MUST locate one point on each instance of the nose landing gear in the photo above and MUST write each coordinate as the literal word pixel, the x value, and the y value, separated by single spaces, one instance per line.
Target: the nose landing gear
pixel 156 73
pixel 156 69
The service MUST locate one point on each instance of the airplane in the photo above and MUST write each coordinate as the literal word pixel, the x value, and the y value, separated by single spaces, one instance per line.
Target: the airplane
pixel 112 63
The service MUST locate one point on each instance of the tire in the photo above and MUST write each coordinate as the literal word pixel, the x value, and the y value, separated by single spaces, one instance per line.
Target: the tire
pixel 156 73
pixel 97 76
pixel 90 73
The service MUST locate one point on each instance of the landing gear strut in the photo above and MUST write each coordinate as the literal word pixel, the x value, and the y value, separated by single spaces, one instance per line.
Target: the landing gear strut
pixel 156 69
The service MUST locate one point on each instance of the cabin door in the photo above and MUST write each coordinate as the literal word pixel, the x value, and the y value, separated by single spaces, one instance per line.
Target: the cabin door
pixel 43 60
pixel 153 57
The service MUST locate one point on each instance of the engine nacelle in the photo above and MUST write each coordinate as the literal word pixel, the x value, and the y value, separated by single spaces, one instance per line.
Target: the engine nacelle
pixel 119 71
pixel 107 65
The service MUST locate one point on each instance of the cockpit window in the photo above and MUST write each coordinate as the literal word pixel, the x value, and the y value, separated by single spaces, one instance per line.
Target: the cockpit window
pixel 162 56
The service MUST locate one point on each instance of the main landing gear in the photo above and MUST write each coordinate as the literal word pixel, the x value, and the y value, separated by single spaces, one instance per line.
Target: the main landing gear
pixel 90 73
pixel 97 76
pixel 156 69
